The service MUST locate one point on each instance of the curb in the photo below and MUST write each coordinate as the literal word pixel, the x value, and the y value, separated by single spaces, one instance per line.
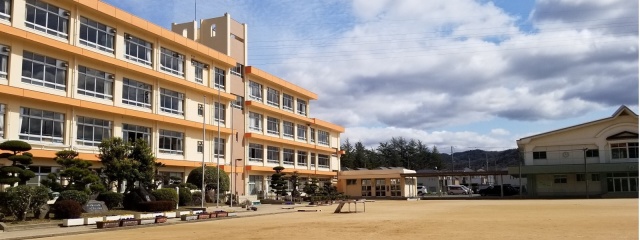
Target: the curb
pixel 90 230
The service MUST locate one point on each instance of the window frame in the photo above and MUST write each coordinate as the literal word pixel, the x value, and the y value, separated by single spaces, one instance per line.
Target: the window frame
pixel 302 132
pixel 312 135
pixel 273 97
pixel 324 137
pixel 139 87
pixel 175 101
pixel 139 132
pixel 139 44
pixel 86 74
pixel 302 158
pixel 592 153
pixel 238 70
pixel 560 178
pixel 219 146
pixel 6 7
pixel 61 15
pixel 255 121
pixel 256 152
pixel 219 79
pixel 4 62
pixel 198 71
pixel 273 154
pixel 54 119
pixel 255 91
pixel 287 102
pixel 288 156
pixel 102 32
pixel 273 123
pixel 175 142
pixel 85 123
pixel 219 113
pixel 539 155
pixel 3 118
pixel 172 62
pixel 288 129
pixel 47 64
pixel 325 159
pixel 238 103
pixel 301 107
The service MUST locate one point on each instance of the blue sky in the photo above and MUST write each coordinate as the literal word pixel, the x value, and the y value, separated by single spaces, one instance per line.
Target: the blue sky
pixel 468 74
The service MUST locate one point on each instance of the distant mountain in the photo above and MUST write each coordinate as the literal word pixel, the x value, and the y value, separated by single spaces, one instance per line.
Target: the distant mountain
pixel 478 159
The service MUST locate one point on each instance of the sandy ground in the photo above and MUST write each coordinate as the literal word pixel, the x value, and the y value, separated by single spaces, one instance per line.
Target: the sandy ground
pixel 433 219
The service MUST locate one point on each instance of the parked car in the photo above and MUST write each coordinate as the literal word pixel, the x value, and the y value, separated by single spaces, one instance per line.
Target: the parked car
pixel 457 189
pixel 422 190
pixel 496 189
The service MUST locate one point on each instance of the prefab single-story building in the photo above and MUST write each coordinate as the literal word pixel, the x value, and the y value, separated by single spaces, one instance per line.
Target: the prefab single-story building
pixel 379 182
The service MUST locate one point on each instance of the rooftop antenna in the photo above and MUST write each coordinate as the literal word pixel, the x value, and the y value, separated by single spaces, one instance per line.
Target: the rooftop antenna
pixel 195 12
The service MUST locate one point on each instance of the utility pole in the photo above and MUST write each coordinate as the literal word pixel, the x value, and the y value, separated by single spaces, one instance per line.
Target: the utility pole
pixel 586 180
pixel 453 165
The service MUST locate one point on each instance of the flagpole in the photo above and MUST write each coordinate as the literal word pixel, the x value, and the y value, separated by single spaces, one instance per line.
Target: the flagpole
pixel 204 117
pixel 218 155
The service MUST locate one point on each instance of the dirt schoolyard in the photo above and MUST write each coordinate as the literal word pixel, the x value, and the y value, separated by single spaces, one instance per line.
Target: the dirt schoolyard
pixel 431 219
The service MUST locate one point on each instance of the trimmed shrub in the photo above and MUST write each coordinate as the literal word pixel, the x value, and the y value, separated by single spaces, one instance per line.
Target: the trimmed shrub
pixel 131 200
pixel 157 206
pixel 65 209
pixel 185 198
pixel 111 199
pixel 196 197
pixel 271 201
pixel 78 196
pixel 166 194
pixel 23 199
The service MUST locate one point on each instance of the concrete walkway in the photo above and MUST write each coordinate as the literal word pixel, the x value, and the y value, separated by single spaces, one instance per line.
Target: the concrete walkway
pixel 61 231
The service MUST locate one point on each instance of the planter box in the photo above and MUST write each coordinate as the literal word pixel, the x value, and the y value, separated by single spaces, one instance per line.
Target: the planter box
pixel 180 213
pixel 162 219
pixel 128 222
pixel 213 215
pixel 108 224
pixel 92 220
pixel 147 221
pixel 170 214
pixel 222 214
pixel 111 218
pixel 188 217
pixel 126 216
pixel 144 215
pixel 204 216
pixel 73 222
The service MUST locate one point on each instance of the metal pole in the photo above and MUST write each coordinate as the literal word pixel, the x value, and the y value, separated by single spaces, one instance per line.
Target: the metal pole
pixel 520 178
pixel 204 117
pixel 232 188
pixel 453 165
pixel 218 156
pixel 586 180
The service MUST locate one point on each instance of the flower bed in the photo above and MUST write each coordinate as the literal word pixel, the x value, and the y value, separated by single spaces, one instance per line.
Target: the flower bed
pixel 204 215
pixel 161 219
pixel 108 224
pixel 188 217
pixel 128 222
pixel 222 214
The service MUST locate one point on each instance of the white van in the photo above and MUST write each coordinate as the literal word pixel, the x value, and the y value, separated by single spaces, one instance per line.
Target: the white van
pixel 457 189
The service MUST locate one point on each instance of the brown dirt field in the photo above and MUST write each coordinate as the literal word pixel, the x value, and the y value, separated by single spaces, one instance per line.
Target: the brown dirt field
pixel 432 219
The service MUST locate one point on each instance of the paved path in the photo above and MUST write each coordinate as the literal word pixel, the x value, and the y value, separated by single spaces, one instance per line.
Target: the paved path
pixel 60 231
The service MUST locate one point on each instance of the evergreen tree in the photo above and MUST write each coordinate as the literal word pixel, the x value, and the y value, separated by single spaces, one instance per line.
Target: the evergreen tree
pixel 18 171
pixel 278 182
pixel 75 171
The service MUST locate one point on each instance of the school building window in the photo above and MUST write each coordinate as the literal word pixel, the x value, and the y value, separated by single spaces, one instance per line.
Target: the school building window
pixel 138 50
pixel 44 71
pixel 41 125
pixel 96 35
pixel 95 83
pixel 47 18
pixel 136 93
pixel 91 131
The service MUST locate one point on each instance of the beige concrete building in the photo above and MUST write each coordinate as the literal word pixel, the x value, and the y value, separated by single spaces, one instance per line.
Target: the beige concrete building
pixel 595 158
pixel 75 72
pixel 381 183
